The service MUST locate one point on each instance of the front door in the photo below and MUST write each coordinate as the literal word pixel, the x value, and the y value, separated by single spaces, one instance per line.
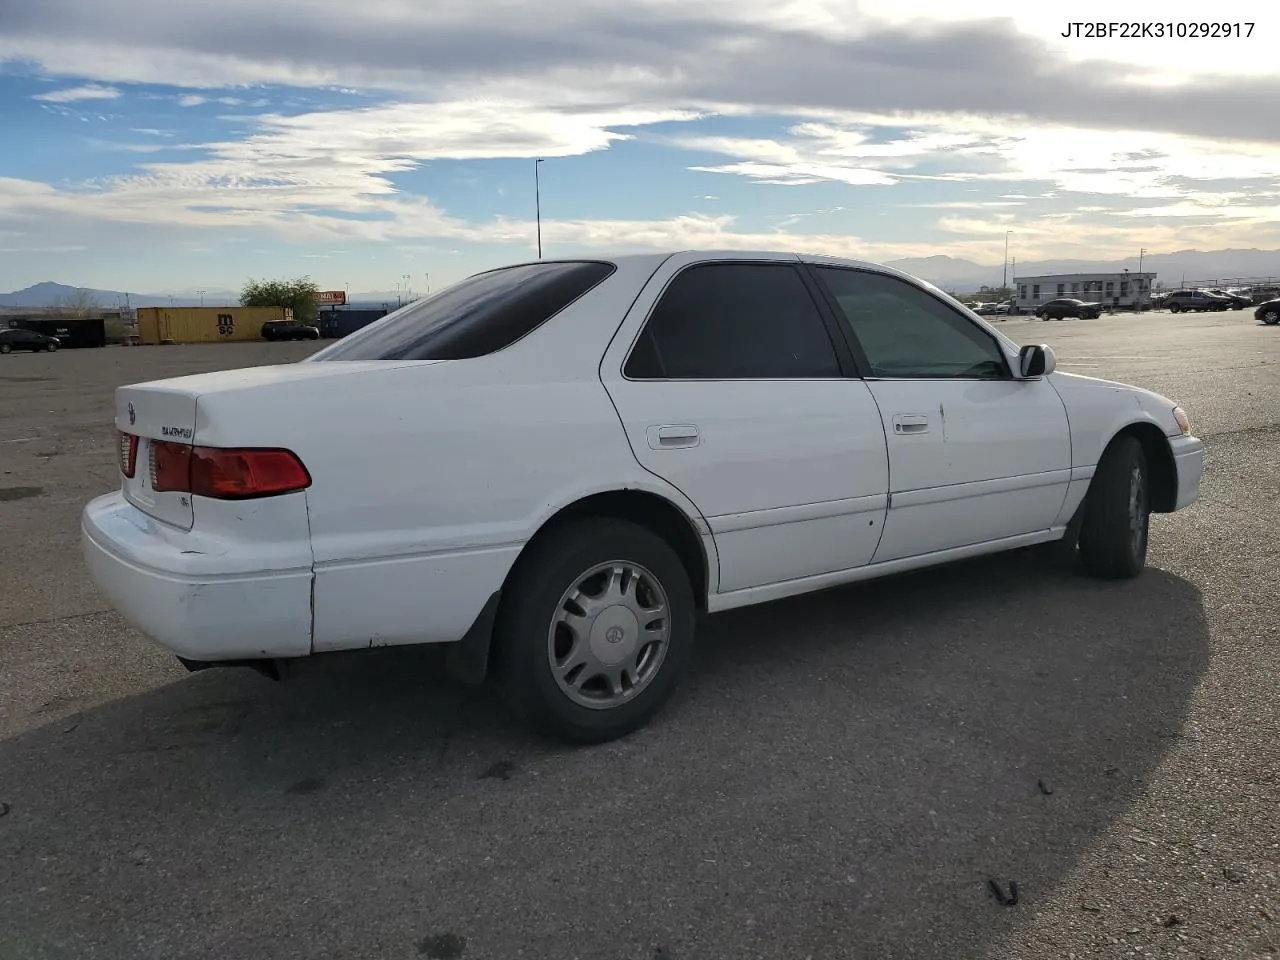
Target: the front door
pixel 734 387
pixel 975 454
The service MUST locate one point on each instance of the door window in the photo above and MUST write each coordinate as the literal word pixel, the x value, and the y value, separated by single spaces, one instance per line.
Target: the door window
pixel 734 321
pixel 906 332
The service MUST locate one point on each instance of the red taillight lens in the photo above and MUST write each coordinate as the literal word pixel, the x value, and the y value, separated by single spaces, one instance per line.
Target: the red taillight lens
pixel 128 454
pixel 225 474
pixel 240 474
pixel 170 467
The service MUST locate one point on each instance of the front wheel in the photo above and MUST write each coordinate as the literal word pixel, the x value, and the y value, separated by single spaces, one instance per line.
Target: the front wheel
pixel 51 346
pixel 1271 317
pixel 595 630
pixel 1174 308
pixel 1117 513
pixel 5 348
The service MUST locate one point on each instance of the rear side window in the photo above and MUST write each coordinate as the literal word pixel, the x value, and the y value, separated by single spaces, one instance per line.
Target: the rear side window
pixel 734 321
pixel 473 318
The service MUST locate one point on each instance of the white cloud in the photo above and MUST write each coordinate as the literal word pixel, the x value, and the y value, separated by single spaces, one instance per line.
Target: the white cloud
pixel 879 92
pixel 90 91
pixel 1133 165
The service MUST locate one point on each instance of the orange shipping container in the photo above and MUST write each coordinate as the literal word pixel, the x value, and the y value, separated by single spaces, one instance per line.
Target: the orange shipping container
pixel 205 324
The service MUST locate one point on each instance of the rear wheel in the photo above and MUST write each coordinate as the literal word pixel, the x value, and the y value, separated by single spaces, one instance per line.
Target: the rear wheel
pixel 1117 513
pixel 595 630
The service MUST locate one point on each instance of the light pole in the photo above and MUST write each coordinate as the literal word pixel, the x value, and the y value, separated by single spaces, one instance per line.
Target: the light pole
pixel 1142 252
pixel 202 293
pixel 427 278
pixel 408 291
pixel 537 203
pixel 1004 280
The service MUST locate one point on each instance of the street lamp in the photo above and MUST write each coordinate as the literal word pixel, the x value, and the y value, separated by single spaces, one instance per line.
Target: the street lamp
pixel 537 201
pixel 1142 252
pixel 202 293
pixel 1004 280
pixel 408 291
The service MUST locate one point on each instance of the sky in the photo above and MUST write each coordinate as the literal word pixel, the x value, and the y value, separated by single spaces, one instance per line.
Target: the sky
pixel 168 147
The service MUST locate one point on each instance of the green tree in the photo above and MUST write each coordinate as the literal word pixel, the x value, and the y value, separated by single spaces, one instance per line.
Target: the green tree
pixel 300 294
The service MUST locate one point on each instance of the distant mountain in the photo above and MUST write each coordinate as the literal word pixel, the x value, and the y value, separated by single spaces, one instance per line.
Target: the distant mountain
pixel 949 273
pixel 50 294
pixel 943 271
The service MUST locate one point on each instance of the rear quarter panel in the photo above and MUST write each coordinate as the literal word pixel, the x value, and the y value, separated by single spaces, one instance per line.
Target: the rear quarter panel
pixel 428 478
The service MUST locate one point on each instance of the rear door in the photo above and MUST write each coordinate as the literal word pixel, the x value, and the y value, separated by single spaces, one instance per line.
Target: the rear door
pixel 733 385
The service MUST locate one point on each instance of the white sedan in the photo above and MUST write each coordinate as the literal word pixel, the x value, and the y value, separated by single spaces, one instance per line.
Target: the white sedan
pixel 553 466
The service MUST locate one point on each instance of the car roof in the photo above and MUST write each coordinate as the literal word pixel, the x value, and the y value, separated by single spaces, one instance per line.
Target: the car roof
pixel 653 260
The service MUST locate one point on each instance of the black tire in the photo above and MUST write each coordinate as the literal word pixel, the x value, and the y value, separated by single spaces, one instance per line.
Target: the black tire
pixel 1174 308
pixel 51 346
pixel 1117 513
pixel 5 348
pixel 531 600
pixel 1271 317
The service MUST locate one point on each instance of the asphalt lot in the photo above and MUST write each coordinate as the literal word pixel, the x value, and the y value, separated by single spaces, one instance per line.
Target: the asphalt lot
pixel 841 776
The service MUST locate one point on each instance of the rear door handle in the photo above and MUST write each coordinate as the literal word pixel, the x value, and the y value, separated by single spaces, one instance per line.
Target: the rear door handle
pixel 672 436
pixel 905 423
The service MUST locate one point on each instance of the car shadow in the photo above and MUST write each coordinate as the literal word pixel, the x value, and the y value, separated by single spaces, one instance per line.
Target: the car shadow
pixel 842 774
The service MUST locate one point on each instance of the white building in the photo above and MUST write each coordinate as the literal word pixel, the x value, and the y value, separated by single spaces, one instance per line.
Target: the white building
pixel 1123 290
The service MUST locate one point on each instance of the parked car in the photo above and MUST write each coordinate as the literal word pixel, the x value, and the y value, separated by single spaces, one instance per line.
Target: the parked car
pixel 1268 312
pixel 15 338
pixel 1065 307
pixel 1236 301
pixel 1197 300
pixel 1002 309
pixel 289 330
pixel 553 467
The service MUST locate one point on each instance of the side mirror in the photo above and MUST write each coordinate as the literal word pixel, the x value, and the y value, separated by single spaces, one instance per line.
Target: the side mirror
pixel 1036 361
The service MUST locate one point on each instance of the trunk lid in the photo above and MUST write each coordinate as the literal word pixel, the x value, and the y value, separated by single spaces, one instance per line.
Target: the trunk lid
pixel 164 412
pixel 154 414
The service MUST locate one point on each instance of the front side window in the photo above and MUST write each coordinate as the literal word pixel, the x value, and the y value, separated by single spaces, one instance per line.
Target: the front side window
pixel 906 332
pixel 734 321
pixel 473 318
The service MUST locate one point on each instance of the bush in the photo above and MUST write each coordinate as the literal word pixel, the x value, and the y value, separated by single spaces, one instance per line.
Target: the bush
pixel 298 294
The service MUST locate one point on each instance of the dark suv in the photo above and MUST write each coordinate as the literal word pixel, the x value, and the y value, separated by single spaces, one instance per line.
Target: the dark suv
pixel 1196 300
pixel 289 330
pixel 18 339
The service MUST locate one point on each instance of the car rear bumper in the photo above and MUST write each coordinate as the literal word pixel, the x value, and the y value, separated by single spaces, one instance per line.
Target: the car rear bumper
pixel 1188 459
pixel 145 570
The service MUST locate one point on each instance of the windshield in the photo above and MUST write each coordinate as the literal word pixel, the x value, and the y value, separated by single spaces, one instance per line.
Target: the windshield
pixel 478 316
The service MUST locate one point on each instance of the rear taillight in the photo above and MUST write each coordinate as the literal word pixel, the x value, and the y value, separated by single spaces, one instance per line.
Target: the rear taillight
pixel 128 454
pixel 225 474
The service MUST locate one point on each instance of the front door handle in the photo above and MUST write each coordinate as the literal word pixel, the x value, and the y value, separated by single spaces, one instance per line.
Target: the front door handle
pixel 672 436
pixel 909 423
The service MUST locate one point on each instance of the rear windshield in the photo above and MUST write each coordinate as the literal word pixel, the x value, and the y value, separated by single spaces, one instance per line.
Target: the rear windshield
pixel 479 316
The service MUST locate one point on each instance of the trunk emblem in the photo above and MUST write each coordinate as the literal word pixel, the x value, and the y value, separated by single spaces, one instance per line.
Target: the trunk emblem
pixel 133 416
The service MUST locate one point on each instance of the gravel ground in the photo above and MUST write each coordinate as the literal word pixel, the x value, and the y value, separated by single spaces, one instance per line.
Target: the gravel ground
pixel 843 775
